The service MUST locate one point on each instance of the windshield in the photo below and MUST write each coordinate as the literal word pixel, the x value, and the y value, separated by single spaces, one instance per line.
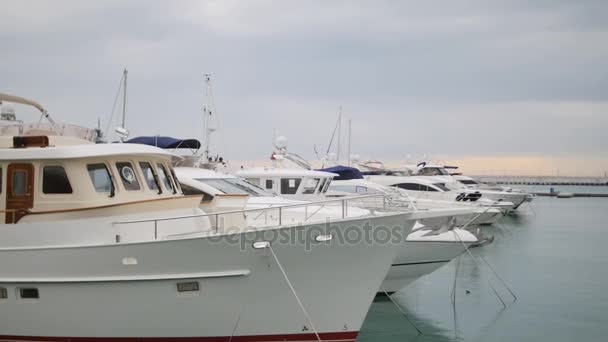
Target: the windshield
pixel 235 186
pixel 441 186
pixel 433 171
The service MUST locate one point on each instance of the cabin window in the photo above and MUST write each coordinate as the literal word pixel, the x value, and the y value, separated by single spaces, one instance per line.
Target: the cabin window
pixel 150 176
pixel 289 186
pixel 177 185
pixel 55 180
pixel 327 185
pixel 269 184
pixel 29 293
pixel 101 178
pixel 19 183
pixel 414 187
pixel 323 180
pixel 164 175
pixel 441 186
pixel 361 189
pixel 310 185
pixel 467 181
pixel 127 175
pixel 3 293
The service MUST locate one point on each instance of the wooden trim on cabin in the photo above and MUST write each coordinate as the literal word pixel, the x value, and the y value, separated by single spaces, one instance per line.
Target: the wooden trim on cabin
pixel 59 211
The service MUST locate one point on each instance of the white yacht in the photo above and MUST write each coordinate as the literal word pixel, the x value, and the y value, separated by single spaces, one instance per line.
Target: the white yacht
pixel 430 246
pixel 459 183
pixel 434 188
pixel 482 215
pixel 99 243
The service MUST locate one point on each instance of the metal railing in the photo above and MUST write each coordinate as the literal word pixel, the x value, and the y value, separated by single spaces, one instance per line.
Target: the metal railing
pixel 386 204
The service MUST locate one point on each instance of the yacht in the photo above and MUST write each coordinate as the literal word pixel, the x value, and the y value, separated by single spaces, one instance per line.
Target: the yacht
pixel 100 243
pixel 458 182
pixel 434 242
pixel 352 181
pixel 434 188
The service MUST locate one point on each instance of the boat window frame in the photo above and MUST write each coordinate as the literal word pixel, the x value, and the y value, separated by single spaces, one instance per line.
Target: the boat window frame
pixel 109 171
pixel 308 190
pixel 297 182
pixel 327 183
pixel 124 182
pixel 155 177
pixel 321 185
pixel 160 165
pixel 176 183
pixel 67 176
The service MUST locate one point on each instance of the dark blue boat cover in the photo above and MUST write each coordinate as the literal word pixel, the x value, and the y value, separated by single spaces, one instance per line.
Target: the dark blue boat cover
pixel 166 142
pixel 344 172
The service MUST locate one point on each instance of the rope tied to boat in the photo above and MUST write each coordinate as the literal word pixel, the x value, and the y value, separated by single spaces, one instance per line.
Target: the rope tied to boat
pixel 295 294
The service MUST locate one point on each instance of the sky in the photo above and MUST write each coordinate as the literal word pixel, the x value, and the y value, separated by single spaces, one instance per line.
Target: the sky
pixel 518 87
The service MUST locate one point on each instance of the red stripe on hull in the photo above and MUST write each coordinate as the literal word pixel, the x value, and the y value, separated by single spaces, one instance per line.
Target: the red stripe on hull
pixel 328 337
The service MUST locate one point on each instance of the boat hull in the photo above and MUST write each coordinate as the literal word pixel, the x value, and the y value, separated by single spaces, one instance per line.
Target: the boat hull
pixel 128 292
pixel 419 258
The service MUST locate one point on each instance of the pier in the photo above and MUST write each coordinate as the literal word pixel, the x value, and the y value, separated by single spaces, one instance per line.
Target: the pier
pixel 544 180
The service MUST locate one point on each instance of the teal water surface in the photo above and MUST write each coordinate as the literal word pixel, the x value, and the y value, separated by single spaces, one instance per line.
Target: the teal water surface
pixel 552 254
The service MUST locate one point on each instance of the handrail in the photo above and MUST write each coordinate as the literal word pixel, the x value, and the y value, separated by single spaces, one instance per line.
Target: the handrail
pixel 342 200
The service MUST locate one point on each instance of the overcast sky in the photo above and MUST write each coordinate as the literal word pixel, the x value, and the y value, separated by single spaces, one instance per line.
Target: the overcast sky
pixel 420 77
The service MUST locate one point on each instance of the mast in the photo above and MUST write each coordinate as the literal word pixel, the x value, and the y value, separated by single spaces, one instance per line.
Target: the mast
pixel 124 99
pixel 207 113
pixel 350 121
pixel 339 133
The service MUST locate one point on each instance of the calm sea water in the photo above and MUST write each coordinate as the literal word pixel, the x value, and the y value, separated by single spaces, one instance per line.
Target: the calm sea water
pixel 553 254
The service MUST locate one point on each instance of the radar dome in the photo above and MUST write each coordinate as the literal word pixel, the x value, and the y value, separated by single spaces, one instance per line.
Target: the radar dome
pixel 281 142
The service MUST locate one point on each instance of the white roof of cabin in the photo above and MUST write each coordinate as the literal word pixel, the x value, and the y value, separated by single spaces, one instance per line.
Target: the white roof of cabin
pixel 278 172
pixel 81 151
pixel 390 180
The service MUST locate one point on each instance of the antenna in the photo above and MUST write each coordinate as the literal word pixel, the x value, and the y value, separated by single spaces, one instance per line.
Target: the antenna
pixel 207 113
pixel 350 122
pixel 124 99
pixel 339 133
pixel 122 131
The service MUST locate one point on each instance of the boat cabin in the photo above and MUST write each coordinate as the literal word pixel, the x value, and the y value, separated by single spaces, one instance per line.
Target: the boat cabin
pixel 289 182
pixel 43 179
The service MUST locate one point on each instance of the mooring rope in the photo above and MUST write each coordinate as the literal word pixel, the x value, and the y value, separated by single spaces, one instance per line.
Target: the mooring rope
pixel 295 294
pixel 477 264
pixel 403 312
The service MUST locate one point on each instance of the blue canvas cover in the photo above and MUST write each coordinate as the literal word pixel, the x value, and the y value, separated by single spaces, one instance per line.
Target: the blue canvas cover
pixel 344 172
pixel 166 142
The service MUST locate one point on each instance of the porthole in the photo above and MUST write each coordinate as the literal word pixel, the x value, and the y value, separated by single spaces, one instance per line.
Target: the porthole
pixel 128 174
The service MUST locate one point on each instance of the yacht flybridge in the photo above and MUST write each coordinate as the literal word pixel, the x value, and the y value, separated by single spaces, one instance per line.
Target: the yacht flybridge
pixel 99 242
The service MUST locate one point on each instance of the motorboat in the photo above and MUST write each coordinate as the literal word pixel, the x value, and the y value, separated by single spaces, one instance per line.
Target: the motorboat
pixel 458 182
pixel 434 242
pixel 434 188
pixel 99 242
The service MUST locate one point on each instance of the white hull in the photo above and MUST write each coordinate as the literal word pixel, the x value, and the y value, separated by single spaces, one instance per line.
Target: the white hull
pixel 129 290
pixel 421 257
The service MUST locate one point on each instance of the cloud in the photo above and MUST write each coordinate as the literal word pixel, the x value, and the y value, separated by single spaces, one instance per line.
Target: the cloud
pixel 427 77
